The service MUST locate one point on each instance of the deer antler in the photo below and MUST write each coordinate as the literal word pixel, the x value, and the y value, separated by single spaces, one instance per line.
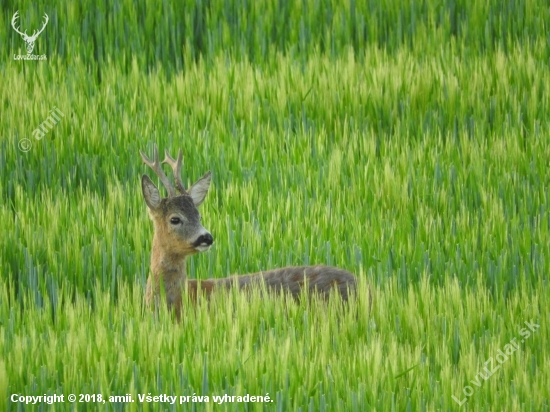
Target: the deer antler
pixel 35 34
pixel 157 168
pixel 176 168
pixel 25 35
pixel 13 22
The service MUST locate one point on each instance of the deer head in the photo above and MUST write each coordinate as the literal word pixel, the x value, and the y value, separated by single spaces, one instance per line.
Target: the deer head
pixel 178 229
pixel 29 39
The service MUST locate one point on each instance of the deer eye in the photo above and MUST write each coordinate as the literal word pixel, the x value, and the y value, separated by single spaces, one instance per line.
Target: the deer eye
pixel 175 220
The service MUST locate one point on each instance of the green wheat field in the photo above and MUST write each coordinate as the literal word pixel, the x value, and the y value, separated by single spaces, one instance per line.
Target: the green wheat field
pixel 407 142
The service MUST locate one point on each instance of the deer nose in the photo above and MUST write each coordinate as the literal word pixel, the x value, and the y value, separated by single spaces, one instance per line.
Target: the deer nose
pixel 204 240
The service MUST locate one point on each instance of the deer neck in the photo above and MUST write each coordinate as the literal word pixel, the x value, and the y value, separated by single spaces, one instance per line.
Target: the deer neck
pixel 167 270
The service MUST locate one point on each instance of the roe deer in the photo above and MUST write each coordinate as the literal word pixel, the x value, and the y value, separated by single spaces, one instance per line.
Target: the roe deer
pixel 178 233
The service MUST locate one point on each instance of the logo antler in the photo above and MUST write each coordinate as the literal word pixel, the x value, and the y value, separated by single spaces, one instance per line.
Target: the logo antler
pixel 29 39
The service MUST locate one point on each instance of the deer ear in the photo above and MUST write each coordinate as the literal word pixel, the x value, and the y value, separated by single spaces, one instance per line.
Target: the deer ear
pixel 199 190
pixel 150 192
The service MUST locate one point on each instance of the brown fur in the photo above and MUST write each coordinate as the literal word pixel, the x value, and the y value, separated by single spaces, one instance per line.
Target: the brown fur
pixel 179 234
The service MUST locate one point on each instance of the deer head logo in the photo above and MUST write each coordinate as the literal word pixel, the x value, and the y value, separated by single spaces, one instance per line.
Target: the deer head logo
pixel 29 39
